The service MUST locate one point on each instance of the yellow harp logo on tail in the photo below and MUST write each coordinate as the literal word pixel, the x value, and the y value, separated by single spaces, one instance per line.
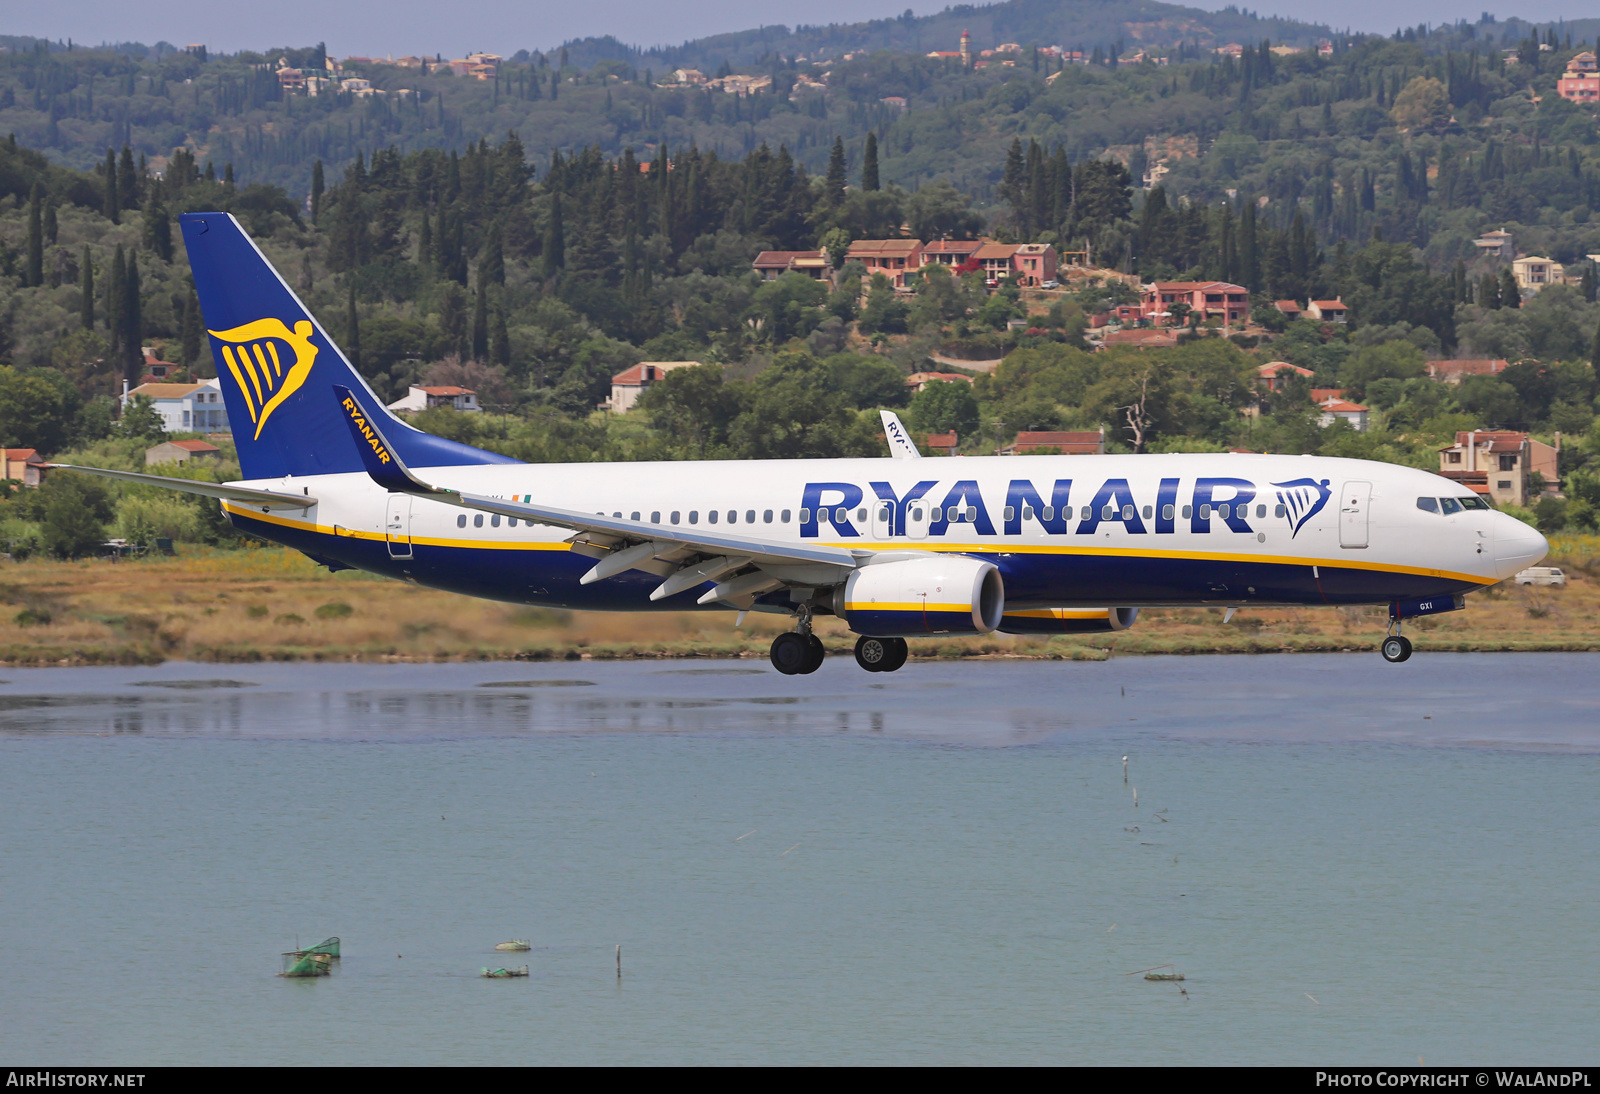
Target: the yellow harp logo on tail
pixel 255 354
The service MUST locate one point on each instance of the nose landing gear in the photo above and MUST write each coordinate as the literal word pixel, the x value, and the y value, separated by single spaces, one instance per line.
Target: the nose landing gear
pixel 798 652
pixel 880 654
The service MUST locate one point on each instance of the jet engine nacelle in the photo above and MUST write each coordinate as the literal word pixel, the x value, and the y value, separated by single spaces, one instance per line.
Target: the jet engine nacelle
pixel 938 594
pixel 1068 620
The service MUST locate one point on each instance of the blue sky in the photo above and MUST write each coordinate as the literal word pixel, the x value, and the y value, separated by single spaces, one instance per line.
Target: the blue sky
pixel 378 27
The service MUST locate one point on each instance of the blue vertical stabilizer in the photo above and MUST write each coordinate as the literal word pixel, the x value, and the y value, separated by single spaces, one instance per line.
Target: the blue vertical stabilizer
pixel 279 368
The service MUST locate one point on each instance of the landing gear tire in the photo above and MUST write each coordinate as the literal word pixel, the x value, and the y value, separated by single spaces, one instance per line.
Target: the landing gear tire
pixel 1396 648
pixel 815 654
pixel 791 653
pixel 880 654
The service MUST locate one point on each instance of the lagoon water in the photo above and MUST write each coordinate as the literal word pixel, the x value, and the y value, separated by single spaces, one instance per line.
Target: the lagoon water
pixel 1351 862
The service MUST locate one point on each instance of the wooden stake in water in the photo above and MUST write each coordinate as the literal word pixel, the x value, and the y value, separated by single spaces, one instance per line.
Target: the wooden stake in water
pixel 619 961
pixel 1136 797
pixel 1124 771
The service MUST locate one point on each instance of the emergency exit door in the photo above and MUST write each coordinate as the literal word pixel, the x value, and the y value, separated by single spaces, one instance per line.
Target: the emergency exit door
pixel 1354 502
pixel 397 526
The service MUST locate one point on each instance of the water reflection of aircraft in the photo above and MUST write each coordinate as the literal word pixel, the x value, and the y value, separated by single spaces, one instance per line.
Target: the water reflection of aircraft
pixel 896 547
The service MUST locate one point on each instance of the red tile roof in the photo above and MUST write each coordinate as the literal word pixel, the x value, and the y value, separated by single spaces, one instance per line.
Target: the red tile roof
pixel 195 446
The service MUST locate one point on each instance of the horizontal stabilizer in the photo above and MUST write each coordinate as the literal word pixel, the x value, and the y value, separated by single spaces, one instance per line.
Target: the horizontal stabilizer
pixel 262 499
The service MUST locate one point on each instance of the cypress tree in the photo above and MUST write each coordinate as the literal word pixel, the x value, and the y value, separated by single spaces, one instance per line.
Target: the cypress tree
pixel 555 243
pixel 33 268
pixel 1589 287
pixel 127 181
pixel 157 226
pixel 132 324
pixel 316 191
pixel 1488 292
pixel 1594 358
pixel 869 163
pixel 114 293
pixel 834 184
pixel 480 320
pixel 353 326
pixel 189 328
pixel 494 262
pixel 113 209
pixel 1510 294
pixel 86 287
pixel 500 339
pixel 52 226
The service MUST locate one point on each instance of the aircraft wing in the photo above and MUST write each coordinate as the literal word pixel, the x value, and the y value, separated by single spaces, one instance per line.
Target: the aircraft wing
pixel 685 557
pixel 262 499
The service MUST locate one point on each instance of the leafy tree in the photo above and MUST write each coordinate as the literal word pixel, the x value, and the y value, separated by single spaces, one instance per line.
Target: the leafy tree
pixel 1422 105
pixel 76 509
pixel 141 419
pixel 945 405
pixel 37 407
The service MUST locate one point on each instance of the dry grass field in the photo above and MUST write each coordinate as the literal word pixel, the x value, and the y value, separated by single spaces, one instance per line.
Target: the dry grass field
pixel 273 604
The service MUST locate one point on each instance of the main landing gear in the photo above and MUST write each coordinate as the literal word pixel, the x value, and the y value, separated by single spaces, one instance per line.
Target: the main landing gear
pixel 798 652
pixel 1396 647
pixel 880 654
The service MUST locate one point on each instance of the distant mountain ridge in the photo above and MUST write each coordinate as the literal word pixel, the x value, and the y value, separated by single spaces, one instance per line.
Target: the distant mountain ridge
pixel 1071 23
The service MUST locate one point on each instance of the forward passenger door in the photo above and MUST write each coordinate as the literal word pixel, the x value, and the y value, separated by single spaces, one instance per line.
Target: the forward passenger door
pixel 1354 502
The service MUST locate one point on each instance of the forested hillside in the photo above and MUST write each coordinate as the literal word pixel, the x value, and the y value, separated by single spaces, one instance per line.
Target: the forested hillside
pixel 533 275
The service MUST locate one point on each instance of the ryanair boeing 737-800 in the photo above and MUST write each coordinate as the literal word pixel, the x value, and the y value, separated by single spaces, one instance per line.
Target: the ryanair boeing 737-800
pixel 897 547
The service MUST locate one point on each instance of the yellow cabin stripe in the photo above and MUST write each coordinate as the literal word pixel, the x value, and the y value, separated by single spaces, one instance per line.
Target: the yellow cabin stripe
pixel 919 545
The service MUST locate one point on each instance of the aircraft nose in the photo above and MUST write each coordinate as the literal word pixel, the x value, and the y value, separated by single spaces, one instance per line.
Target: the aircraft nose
pixel 1517 546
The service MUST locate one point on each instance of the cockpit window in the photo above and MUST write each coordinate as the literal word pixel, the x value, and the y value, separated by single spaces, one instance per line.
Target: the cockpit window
pixel 1449 506
pixel 1430 505
pixel 1474 502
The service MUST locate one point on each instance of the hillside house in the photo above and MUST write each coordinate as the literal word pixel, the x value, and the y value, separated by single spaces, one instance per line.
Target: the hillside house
pixel 951 252
pixel 629 384
pixel 772 265
pixel 1535 272
pixel 185 408
pixel 23 465
pixel 1065 442
pixel 1501 464
pixel 1272 375
pixel 1334 409
pixel 1141 338
pixel 1288 308
pixel 422 397
pixel 1496 244
pixel 919 380
pixel 181 452
pixel 894 258
pixel 1328 311
pixel 1454 371
pixel 1581 81
pixel 1034 264
pixel 1208 299
pixel 943 444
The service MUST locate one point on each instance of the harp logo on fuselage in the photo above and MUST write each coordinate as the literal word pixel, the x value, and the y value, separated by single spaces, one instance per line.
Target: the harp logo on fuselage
pixel 268 362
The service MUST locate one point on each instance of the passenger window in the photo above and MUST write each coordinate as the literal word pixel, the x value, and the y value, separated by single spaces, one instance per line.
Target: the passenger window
pixel 883 512
pixel 1147 512
pixel 711 517
pixel 805 516
pixel 822 516
pixel 511 523
pixel 1261 511
pixel 1050 513
pixel 784 516
pixel 1428 505
pixel 1224 511
pixel 477 520
pixel 916 514
pixel 655 517
pixel 841 516
pixel 1278 510
pixel 750 517
pixel 694 516
pixel 1449 506
pixel 1166 512
pixel 494 521
pixel 972 515
pixel 1127 512
pixel 1027 512
pixel 1066 512
pixel 675 516
pixel 1010 512
pixel 461 521
pixel 633 516
pixel 617 515
pixel 1105 512
pixel 733 516
pixel 766 517
pixel 1188 511
pixel 1205 512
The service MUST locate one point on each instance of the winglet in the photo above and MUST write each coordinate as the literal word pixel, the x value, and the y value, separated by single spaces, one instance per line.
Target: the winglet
pixel 900 446
pixel 377 455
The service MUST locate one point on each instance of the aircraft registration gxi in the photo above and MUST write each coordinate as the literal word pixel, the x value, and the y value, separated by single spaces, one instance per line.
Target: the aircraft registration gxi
pixel 897 547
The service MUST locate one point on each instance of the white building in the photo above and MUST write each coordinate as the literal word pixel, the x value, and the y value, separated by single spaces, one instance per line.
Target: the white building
pixel 425 398
pixel 629 384
pixel 186 408
pixel 1335 409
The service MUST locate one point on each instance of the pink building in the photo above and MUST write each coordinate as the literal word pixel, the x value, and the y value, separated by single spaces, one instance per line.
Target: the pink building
pixel 1209 299
pixel 894 258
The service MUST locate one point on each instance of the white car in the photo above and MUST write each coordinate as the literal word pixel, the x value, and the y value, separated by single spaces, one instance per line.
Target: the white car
pixel 1541 575
pixel 1051 285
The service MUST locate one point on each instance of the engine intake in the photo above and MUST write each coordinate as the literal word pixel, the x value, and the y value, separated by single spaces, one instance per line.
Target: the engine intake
pixel 1068 620
pixel 939 594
